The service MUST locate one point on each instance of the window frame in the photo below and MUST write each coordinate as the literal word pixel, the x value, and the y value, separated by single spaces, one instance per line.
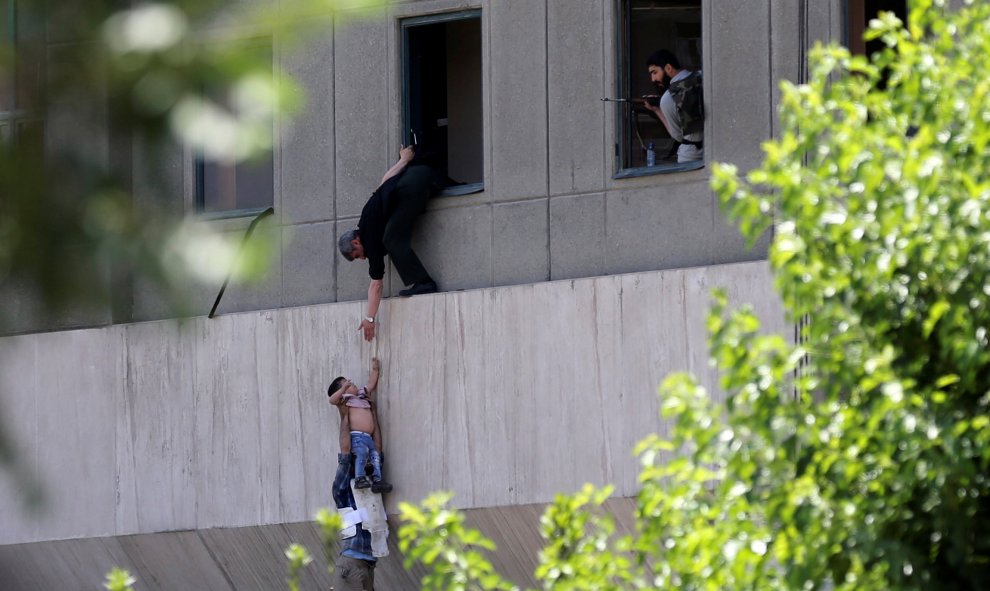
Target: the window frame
pixel 17 116
pixel 8 37
pixel 266 43
pixel 405 24
pixel 623 88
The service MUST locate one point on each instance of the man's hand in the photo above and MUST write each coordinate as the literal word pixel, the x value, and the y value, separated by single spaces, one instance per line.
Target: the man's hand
pixel 376 366
pixel 368 328
pixel 407 153
pixel 647 102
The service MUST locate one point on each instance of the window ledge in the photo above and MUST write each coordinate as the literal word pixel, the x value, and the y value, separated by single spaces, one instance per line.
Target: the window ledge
pixel 230 214
pixel 630 173
pixel 468 189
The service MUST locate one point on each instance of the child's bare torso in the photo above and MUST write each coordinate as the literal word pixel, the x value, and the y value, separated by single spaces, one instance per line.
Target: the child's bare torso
pixel 361 419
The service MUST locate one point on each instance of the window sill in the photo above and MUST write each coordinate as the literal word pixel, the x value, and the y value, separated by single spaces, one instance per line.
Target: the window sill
pixel 630 173
pixel 207 216
pixel 468 189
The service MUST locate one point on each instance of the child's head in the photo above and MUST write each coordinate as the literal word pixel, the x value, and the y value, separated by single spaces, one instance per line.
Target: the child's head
pixel 341 382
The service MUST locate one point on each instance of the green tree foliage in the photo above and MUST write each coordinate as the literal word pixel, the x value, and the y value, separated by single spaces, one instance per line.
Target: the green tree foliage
pixel 119 580
pixel 437 537
pixel 859 457
pixel 299 558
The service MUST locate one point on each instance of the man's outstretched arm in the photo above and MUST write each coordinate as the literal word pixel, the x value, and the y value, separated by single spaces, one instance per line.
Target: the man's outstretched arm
pixel 375 289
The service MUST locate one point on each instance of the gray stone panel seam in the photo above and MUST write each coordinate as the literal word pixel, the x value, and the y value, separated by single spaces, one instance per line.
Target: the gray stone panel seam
pixel 277 158
pixel 771 112
pixel 605 56
pixel 709 133
pixel 546 100
pixel 486 22
pixel 333 187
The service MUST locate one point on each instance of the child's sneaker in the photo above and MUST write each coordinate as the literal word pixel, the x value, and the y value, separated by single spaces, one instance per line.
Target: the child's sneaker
pixel 380 486
pixel 362 482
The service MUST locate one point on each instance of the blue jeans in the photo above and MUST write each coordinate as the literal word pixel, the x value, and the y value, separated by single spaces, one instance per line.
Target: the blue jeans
pixel 364 447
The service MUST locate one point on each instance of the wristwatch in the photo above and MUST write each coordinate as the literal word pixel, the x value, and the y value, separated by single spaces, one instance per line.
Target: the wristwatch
pixel 370 319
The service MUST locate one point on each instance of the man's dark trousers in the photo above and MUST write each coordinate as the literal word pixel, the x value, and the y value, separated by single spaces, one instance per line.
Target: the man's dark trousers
pixel 417 184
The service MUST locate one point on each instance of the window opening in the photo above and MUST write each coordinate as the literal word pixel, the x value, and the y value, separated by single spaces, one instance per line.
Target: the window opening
pixel 644 27
pixel 858 16
pixel 22 51
pixel 236 188
pixel 442 100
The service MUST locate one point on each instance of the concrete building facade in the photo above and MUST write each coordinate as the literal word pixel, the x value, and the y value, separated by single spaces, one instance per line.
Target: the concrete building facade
pixel 191 450
pixel 551 206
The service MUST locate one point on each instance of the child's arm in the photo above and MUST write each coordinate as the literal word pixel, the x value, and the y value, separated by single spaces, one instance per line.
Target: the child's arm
pixel 373 378
pixel 338 397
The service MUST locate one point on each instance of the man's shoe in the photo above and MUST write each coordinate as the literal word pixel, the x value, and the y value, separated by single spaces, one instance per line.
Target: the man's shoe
pixel 362 482
pixel 419 288
pixel 380 486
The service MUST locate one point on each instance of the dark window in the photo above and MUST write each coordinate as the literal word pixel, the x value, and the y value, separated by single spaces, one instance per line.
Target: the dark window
pixel 858 16
pixel 22 51
pixel 644 27
pixel 7 20
pixel 442 104
pixel 238 188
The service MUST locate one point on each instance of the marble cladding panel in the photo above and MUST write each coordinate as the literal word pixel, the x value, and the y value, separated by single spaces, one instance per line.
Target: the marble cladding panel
pixel 75 401
pixel 155 424
pixel 575 83
pixel 455 246
pixel 309 259
pixel 739 87
pixel 306 150
pixel 786 40
pixel 236 419
pixel 520 251
pixel 19 358
pixel 360 104
pixel 825 21
pixel 58 395
pixel 577 236
pixel 158 173
pixel 665 227
pixel 517 88
pixel 727 244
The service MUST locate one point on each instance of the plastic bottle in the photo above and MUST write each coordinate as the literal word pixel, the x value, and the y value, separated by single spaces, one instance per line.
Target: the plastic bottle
pixel 651 155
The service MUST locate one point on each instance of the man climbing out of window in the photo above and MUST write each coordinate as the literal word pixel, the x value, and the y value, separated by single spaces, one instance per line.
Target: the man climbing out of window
pixel 681 108
pixel 386 226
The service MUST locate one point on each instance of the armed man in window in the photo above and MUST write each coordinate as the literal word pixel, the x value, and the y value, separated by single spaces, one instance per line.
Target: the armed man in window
pixel 681 108
pixel 386 226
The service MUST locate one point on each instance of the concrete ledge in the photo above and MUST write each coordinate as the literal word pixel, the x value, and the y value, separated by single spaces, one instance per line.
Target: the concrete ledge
pixel 504 396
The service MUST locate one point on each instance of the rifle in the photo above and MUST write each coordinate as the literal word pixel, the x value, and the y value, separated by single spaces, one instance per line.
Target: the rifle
pixel 653 99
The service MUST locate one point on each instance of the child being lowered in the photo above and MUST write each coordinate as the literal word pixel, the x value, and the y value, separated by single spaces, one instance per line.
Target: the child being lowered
pixel 363 421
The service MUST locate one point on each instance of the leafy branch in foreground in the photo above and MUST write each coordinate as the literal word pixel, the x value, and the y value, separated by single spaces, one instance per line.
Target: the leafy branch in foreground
pixel 437 537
